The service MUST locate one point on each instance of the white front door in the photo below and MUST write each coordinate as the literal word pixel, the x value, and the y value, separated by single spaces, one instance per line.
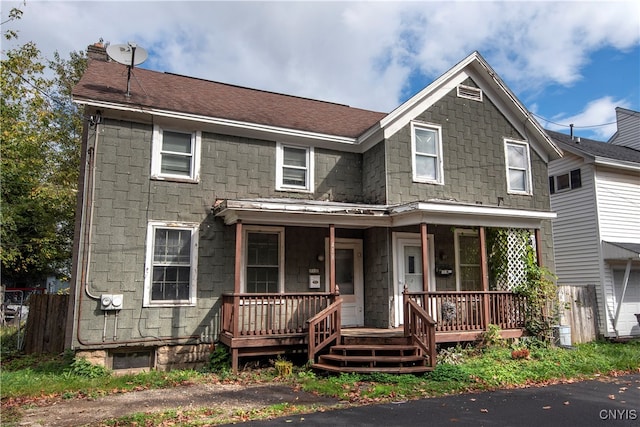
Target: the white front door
pixel 408 267
pixel 349 279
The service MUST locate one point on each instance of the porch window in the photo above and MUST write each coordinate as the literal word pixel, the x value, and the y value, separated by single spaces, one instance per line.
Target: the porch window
pixel 170 273
pixel 176 155
pixel 518 167
pixel 263 260
pixel 294 168
pixel 468 268
pixel 426 147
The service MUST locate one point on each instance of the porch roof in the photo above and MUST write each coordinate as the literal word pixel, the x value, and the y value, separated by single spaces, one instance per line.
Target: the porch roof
pixel 315 213
pixel 620 251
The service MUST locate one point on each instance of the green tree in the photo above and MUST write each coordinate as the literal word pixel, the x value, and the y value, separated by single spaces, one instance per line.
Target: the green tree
pixel 40 132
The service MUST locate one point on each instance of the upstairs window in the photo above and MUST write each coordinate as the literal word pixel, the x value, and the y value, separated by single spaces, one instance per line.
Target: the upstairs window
pixel 518 167
pixel 170 273
pixel 567 181
pixel 294 168
pixel 426 147
pixel 176 155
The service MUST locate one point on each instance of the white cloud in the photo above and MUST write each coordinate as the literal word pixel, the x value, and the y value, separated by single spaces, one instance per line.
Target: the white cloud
pixel 597 120
pixel 358 53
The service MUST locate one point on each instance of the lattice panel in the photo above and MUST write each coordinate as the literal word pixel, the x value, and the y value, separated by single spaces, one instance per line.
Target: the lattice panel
pixel 507 257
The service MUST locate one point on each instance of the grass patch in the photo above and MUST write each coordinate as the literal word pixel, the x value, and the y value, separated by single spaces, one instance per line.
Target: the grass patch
pixel 29 380
pixel 63 376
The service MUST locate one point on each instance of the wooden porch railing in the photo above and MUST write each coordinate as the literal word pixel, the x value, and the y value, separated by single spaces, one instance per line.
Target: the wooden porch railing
pixel 420 328
pixel 324 328
pixel 472 310
pixel 270 314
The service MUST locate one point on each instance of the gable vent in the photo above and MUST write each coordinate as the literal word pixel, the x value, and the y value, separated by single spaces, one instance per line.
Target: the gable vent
pixel 470 92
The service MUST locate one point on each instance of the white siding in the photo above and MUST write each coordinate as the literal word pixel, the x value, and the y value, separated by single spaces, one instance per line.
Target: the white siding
pixel 618 196
pixel 628 134
pixel 575 234
pixel 627 321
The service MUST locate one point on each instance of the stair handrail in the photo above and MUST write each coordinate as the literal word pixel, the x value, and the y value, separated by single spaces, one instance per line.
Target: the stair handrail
pixel 421 328
pixel 330 319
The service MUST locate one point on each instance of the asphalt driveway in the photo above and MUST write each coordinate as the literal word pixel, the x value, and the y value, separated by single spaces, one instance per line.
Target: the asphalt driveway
pixel 613 401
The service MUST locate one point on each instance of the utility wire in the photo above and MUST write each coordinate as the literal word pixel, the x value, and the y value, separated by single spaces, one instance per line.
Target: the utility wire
pixel 569 125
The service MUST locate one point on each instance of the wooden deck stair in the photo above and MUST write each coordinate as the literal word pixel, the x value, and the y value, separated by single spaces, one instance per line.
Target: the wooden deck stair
pixel 362 354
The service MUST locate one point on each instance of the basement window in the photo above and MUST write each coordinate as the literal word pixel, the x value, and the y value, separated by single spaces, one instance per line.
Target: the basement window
pixel 132 360
pixel 470 92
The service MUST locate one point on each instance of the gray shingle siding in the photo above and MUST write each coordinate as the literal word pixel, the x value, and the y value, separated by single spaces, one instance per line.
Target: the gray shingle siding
pixel 127 199
pixel 473 153
pixel 374 175
pixel 378 278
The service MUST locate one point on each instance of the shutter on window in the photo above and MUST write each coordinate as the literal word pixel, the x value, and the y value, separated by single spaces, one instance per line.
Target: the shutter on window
pixel 552 185
pixel 576 179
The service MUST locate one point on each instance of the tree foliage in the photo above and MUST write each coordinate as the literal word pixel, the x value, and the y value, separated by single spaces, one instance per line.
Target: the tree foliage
pixel 40 145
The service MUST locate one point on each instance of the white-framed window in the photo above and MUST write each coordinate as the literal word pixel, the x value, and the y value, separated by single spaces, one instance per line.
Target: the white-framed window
pixel 171 268
pixel 426 153
pixel 176 154
pixel 566 181
pixel 518 167
pixel 468 266
pixel 263 269
pixel 294 168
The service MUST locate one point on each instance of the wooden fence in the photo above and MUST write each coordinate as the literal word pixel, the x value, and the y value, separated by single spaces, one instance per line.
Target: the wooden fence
pixel 46 324
pixel 578 309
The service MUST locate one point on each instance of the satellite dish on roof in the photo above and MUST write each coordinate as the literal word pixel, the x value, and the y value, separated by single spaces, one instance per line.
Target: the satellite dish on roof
pixel 128 54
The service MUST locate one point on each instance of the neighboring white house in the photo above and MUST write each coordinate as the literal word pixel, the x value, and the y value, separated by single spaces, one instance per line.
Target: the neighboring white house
pixel 595 191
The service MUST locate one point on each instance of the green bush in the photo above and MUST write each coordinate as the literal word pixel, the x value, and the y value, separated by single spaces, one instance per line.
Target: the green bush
pixel 81 367
pixel 448 372
pixel 220 360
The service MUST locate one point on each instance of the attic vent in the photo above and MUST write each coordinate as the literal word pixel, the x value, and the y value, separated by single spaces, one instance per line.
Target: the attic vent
pixel 470 92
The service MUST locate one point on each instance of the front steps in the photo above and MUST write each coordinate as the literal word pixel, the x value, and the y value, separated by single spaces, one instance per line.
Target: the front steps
pixel 366 354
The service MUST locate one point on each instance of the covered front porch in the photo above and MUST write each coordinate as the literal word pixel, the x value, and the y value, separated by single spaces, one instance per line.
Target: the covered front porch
pixel 412 276
pixel 265 324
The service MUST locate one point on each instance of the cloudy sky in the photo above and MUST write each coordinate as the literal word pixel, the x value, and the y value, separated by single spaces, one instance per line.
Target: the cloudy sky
pixel 568 62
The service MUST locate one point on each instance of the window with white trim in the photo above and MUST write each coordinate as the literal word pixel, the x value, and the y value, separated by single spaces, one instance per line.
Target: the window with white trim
pixel 171 264
pixel 294 168
pixel 176 154
pixel 566 181
pixel 426 150
pixel 263 260
pixel 518 167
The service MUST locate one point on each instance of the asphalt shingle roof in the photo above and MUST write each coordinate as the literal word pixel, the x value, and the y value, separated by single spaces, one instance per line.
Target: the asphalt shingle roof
pixel 107 82
pixel 595 148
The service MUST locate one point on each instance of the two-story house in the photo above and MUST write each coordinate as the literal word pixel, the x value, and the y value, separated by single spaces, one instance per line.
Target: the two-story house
pixel 216 213
pixel 595 191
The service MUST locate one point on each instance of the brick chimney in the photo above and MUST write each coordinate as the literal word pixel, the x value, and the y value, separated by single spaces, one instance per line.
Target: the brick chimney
pixel 98 51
